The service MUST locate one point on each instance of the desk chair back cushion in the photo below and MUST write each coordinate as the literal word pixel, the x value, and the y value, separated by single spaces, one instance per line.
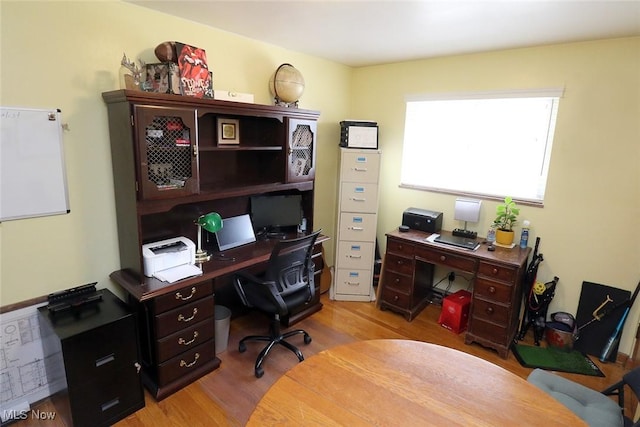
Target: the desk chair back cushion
pixel 288 280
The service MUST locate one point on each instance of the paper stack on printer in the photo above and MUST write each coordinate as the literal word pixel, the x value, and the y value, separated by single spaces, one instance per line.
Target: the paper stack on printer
pixel 170 260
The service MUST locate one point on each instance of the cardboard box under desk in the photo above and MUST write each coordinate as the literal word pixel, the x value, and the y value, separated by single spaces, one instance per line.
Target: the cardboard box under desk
pixel 455 311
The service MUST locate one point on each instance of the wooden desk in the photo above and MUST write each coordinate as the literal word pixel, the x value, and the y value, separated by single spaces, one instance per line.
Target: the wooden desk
pixel 407 279
pixel 405 383
pixel 176 320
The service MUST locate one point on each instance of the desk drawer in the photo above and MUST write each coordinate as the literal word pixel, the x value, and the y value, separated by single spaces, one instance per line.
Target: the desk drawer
pixel 489 331
pixel 398 264
pixel 397 281
pixel 447 259
pixel 185 339
pixel 497 272
pixel 487 310
pixel 494 291
pixel 182 296
pixel 186 362
pixel 183 317
pixel 400 247
pixel 395 298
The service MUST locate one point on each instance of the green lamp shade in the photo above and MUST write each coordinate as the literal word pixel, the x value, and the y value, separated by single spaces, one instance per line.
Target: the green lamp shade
pixel 211 222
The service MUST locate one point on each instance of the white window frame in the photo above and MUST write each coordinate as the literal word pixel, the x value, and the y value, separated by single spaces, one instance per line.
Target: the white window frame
pixel 442 155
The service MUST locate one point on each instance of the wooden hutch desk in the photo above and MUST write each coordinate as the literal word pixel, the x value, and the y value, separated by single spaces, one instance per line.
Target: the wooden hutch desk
pixel 170 165
pixel 407 278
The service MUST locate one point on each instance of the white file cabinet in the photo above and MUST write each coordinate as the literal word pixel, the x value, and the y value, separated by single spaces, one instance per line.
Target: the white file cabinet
pixel 357 222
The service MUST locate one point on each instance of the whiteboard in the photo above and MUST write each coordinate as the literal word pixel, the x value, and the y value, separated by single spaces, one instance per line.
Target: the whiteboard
pixel 32 173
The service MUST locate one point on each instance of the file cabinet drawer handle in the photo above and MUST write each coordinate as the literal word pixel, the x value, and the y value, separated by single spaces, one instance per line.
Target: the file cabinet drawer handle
pixel 110 404
pixel 184 364
pixel 180 297
pixel 181 318
pixel 104 360
pixel 182 341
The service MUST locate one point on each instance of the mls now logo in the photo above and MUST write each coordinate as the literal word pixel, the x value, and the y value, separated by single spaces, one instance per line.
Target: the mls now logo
pixel 23 414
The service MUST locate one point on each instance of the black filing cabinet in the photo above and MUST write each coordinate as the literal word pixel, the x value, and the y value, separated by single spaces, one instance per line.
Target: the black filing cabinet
pixel 99 356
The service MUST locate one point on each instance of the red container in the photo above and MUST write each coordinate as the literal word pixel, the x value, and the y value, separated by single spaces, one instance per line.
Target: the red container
pixel 455 311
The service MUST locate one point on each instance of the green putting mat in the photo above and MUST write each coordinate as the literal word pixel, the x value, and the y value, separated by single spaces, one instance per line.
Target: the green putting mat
pixel 552 359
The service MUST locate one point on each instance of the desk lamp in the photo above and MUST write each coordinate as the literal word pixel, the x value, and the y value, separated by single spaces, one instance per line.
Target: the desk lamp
pixel 211 222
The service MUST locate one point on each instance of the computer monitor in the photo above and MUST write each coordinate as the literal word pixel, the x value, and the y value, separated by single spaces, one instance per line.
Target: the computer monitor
pixel 236 231
pixel 276 213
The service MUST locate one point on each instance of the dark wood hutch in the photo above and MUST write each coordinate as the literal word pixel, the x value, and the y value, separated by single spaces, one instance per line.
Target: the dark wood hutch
pixel 169 168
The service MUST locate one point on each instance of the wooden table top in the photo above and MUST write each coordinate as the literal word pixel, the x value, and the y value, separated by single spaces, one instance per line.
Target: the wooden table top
pixel 405 383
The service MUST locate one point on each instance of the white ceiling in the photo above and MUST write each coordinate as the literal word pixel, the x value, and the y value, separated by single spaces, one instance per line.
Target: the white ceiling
pixel 361 32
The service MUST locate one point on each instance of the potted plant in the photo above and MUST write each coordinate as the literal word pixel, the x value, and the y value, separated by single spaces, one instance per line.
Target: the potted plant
pixel 506 216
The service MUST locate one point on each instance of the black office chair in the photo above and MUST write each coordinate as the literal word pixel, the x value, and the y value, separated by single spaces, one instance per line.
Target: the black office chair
pixel 287 283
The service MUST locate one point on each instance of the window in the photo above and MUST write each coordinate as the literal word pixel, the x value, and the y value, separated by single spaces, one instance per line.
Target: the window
pixel 491 144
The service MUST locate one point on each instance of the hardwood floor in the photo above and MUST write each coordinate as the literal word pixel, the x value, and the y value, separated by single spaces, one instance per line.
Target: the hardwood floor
pixel 227 396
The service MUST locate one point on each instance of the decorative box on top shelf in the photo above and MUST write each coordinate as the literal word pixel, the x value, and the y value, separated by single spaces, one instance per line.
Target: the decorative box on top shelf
pixel 163 77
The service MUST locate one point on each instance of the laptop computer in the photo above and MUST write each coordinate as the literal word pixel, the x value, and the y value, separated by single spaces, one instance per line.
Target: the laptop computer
pixel 236 231
pixel 459 242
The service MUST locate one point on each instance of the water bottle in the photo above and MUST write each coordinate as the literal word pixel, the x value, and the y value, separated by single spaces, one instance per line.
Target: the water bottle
pixel 524 237
pixel 491 235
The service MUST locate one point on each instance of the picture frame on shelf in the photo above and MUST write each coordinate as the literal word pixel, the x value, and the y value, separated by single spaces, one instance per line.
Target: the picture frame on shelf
pixel 228 131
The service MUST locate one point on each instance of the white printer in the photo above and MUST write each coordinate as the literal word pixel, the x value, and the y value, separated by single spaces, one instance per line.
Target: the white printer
pixel 166 254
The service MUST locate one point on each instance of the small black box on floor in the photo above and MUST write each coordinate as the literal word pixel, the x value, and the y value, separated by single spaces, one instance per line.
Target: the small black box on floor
pixel 359 134
pixel 423 220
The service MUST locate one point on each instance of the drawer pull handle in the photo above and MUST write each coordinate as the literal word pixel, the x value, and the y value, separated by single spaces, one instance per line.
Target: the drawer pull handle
pixel 492 289
pixel 358 199
pixel 397 280
pixel 180 297
pixel 183 342
pixel 495 271
pixel 489 310
pixel 138 367
pixel 443 258
pixel 360 169
pixel 110 404
pixel 400 247
pixel 353 283
pixel 181 318
pixel 356 228
pixel 104 360
pixel 188 365
pixel 396 297
pixel 355 256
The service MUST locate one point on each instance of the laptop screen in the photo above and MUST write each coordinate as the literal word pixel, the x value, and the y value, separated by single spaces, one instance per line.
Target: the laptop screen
pixel 236 231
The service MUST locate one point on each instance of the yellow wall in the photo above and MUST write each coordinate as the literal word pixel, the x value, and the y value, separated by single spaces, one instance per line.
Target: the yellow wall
pixel 590 224
pixel 64 55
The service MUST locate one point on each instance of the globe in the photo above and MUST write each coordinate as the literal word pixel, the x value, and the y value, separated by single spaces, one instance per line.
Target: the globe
pixel 287 84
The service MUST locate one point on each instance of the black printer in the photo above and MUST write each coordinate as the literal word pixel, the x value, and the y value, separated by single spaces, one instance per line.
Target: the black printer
pixel 423 220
